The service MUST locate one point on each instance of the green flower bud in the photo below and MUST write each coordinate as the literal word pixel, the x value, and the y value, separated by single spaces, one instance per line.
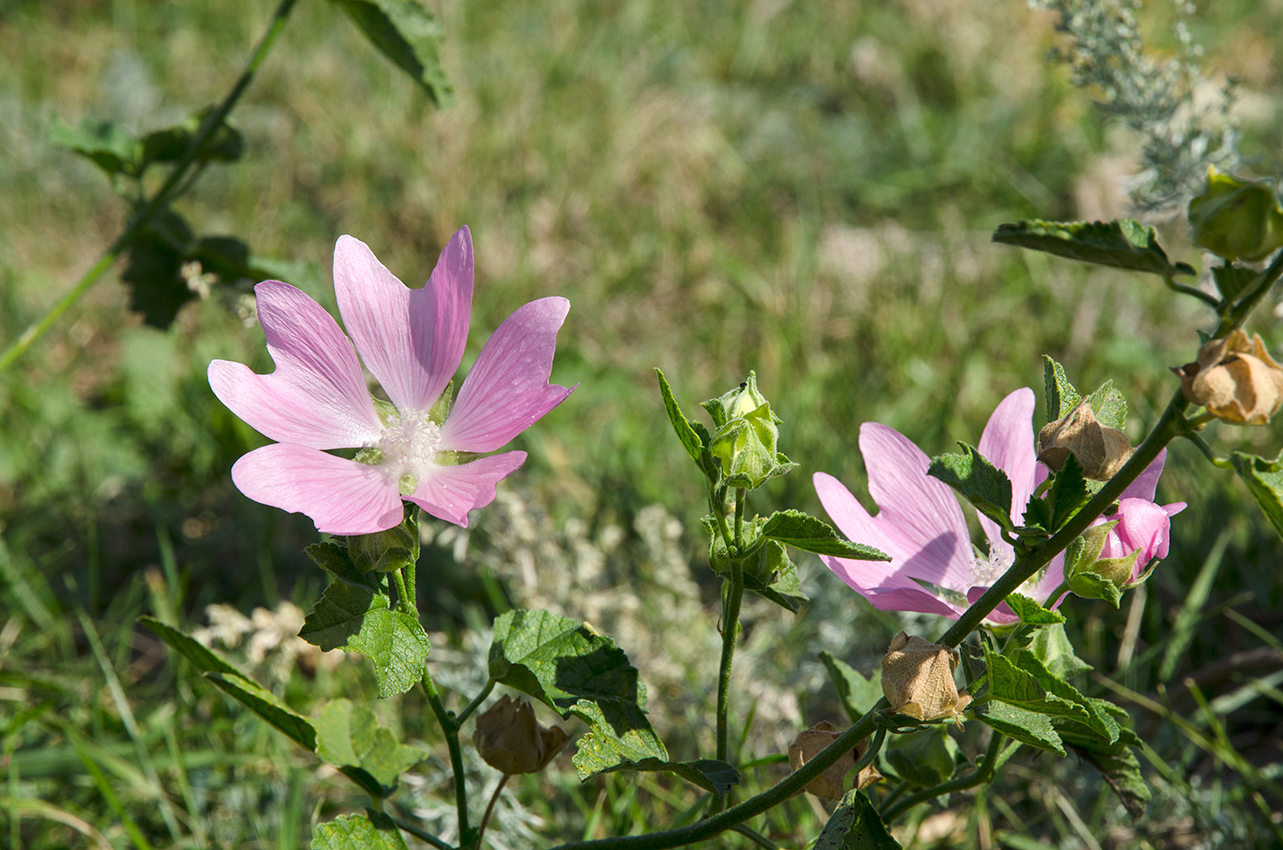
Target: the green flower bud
pixel 1093 577
pixel 1237 219
pixel 747 435
pixel 387 551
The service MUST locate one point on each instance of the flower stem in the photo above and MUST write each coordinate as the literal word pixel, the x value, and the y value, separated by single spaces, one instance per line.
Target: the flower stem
pixel 450 728
pixel 475 704
pixel 168 191
pixel 494 798
pixel 734 594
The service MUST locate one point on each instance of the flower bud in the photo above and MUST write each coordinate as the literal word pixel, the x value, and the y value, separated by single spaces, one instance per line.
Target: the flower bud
pixel 1237 219
pixel 746 437
pixel 1101 451
pixel 509 739
pixel 390 550
pixel 1236 380
pixel 917 679
pixel 830 785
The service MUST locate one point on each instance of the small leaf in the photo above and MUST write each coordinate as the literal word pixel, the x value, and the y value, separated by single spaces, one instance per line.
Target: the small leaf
pixel 1121 244
pixel 101 142
pixel 349 735
pixel 1062 398
pixel 410 36
pixel 267 706
pixel 618 733
pixel 1027 683
pixel 1115 760
pixel 980 482
pixel 855 825
pixel 1027 727
pixel 857 693
pixel 692 441
pixel 785 588
pixel 811 534
pixel 370 831
pixel 1052 647
pixel 1109 406
pixel 924 757
pixel 1233 280
pixel 1069 491
pixel 357 616
pixel 1031 613
pixel 153 271
pixel 1264 480
pixel 709 774
pixel 225 256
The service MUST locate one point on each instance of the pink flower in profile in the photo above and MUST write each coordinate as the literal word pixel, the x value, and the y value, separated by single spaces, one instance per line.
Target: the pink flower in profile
pixel 933 567
pixel 412 341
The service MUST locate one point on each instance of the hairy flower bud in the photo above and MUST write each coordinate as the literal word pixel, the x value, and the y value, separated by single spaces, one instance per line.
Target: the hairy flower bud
pixel 746 437
pixel 1101 451
pixel 1237 219
pixel 917 679
pixel 830 785
pixel 509 739
pixel 1235 379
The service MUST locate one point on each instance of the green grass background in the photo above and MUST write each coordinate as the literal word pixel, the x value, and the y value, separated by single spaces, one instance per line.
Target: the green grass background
pixel 804 189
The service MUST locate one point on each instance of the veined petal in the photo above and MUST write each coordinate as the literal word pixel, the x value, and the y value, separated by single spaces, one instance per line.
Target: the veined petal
pixel 449 492
pixel 1008 443
pixel 1146 484
pixel 411 340
pixel 507 389
pixel 341 496
pixel 918 515
pixel 317 395
pixel 855 522
pixel 1141 525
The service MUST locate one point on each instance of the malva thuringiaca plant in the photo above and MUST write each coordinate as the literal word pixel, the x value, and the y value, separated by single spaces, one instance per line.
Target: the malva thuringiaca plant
pixel 1068 512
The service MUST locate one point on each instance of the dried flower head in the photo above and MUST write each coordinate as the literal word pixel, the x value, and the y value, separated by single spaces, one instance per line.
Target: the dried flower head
pixel 509 739
pixel 917 678
pixel 830 785
pixel 1101 451
pixel 1235 379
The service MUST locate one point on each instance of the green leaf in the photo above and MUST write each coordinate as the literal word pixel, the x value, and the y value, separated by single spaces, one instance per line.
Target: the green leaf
pixel 1069 491
pixel 785 589
pixel 924 757
pixel 1121 244
pixel 1027 683
pixel 205 659
pixel 153 271
pixel 618 733
pixel 1027 727
pixel 268 706
pixel 369 831
pixel 101 142
pixel 855 825
pixel 857 693
pixel 691 440
pixel 410 36
pixel 349 735
pixel 1115 759
pixel 1264 480
pixel 980 482
pixel 1031 613
pixel 1109 406
pixel 564 665
pixel 1062 398
pixel 709 774
pixel 356 615
pixel 811 534
pixel 1052 647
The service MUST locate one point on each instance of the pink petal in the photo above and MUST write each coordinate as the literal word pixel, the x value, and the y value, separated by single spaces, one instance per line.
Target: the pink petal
pixel 908 599
pixel 317 395
pixel 410 339
pixel 1002 614
pixel 1141 525
pixel 1146 484
pixel 1008 443
pixel 854 521
pixel 341 496
pixel 507 390
pixel 451 491
pixel 918 515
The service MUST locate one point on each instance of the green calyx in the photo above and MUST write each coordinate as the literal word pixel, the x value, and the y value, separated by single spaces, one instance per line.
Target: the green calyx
pixel 746 437
pixel 1237 219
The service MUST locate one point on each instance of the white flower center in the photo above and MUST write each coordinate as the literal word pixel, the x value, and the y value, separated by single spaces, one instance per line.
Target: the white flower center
pixel 986 569
pixel 409 443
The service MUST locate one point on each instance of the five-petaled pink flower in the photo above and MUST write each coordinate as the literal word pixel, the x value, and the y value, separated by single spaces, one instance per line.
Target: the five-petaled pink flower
pixel 412 341
pixel 921 525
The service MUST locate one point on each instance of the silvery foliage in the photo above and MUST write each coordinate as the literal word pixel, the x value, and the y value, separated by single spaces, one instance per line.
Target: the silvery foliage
pixel 1183 119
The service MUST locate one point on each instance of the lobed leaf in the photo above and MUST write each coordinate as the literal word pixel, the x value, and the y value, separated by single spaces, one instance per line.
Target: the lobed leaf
pixel 1027 727
pixel 811 534
pixel 1121 244
pixel 349 735
pixel 618 734
pixel 1031 613
pixel 980 482
pixel 1264 480
pixel 368 831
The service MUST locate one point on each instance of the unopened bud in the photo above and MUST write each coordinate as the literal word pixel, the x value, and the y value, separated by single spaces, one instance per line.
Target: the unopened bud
pixel 830 785
pixel 1235 379
pixel 1237 219
pixel 1101 451
pixel 917 679
pixel 509 739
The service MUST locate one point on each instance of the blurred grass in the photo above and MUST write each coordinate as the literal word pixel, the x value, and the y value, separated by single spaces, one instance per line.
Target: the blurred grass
pixel 803 189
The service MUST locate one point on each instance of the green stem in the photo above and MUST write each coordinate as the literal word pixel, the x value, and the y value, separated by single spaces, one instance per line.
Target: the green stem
pixel 494 798
pixel 737 814
pixel 475 704
pixel 405 600
pixel 1208 452
pixel 162 198
pixel 1210 300
pixel 450 728
pixel 982 774
pixel 421 834
pixel 740 493
pixel 730 631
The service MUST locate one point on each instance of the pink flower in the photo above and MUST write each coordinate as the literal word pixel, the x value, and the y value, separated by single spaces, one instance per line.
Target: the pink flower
pixel 921 525
pixel 412 341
